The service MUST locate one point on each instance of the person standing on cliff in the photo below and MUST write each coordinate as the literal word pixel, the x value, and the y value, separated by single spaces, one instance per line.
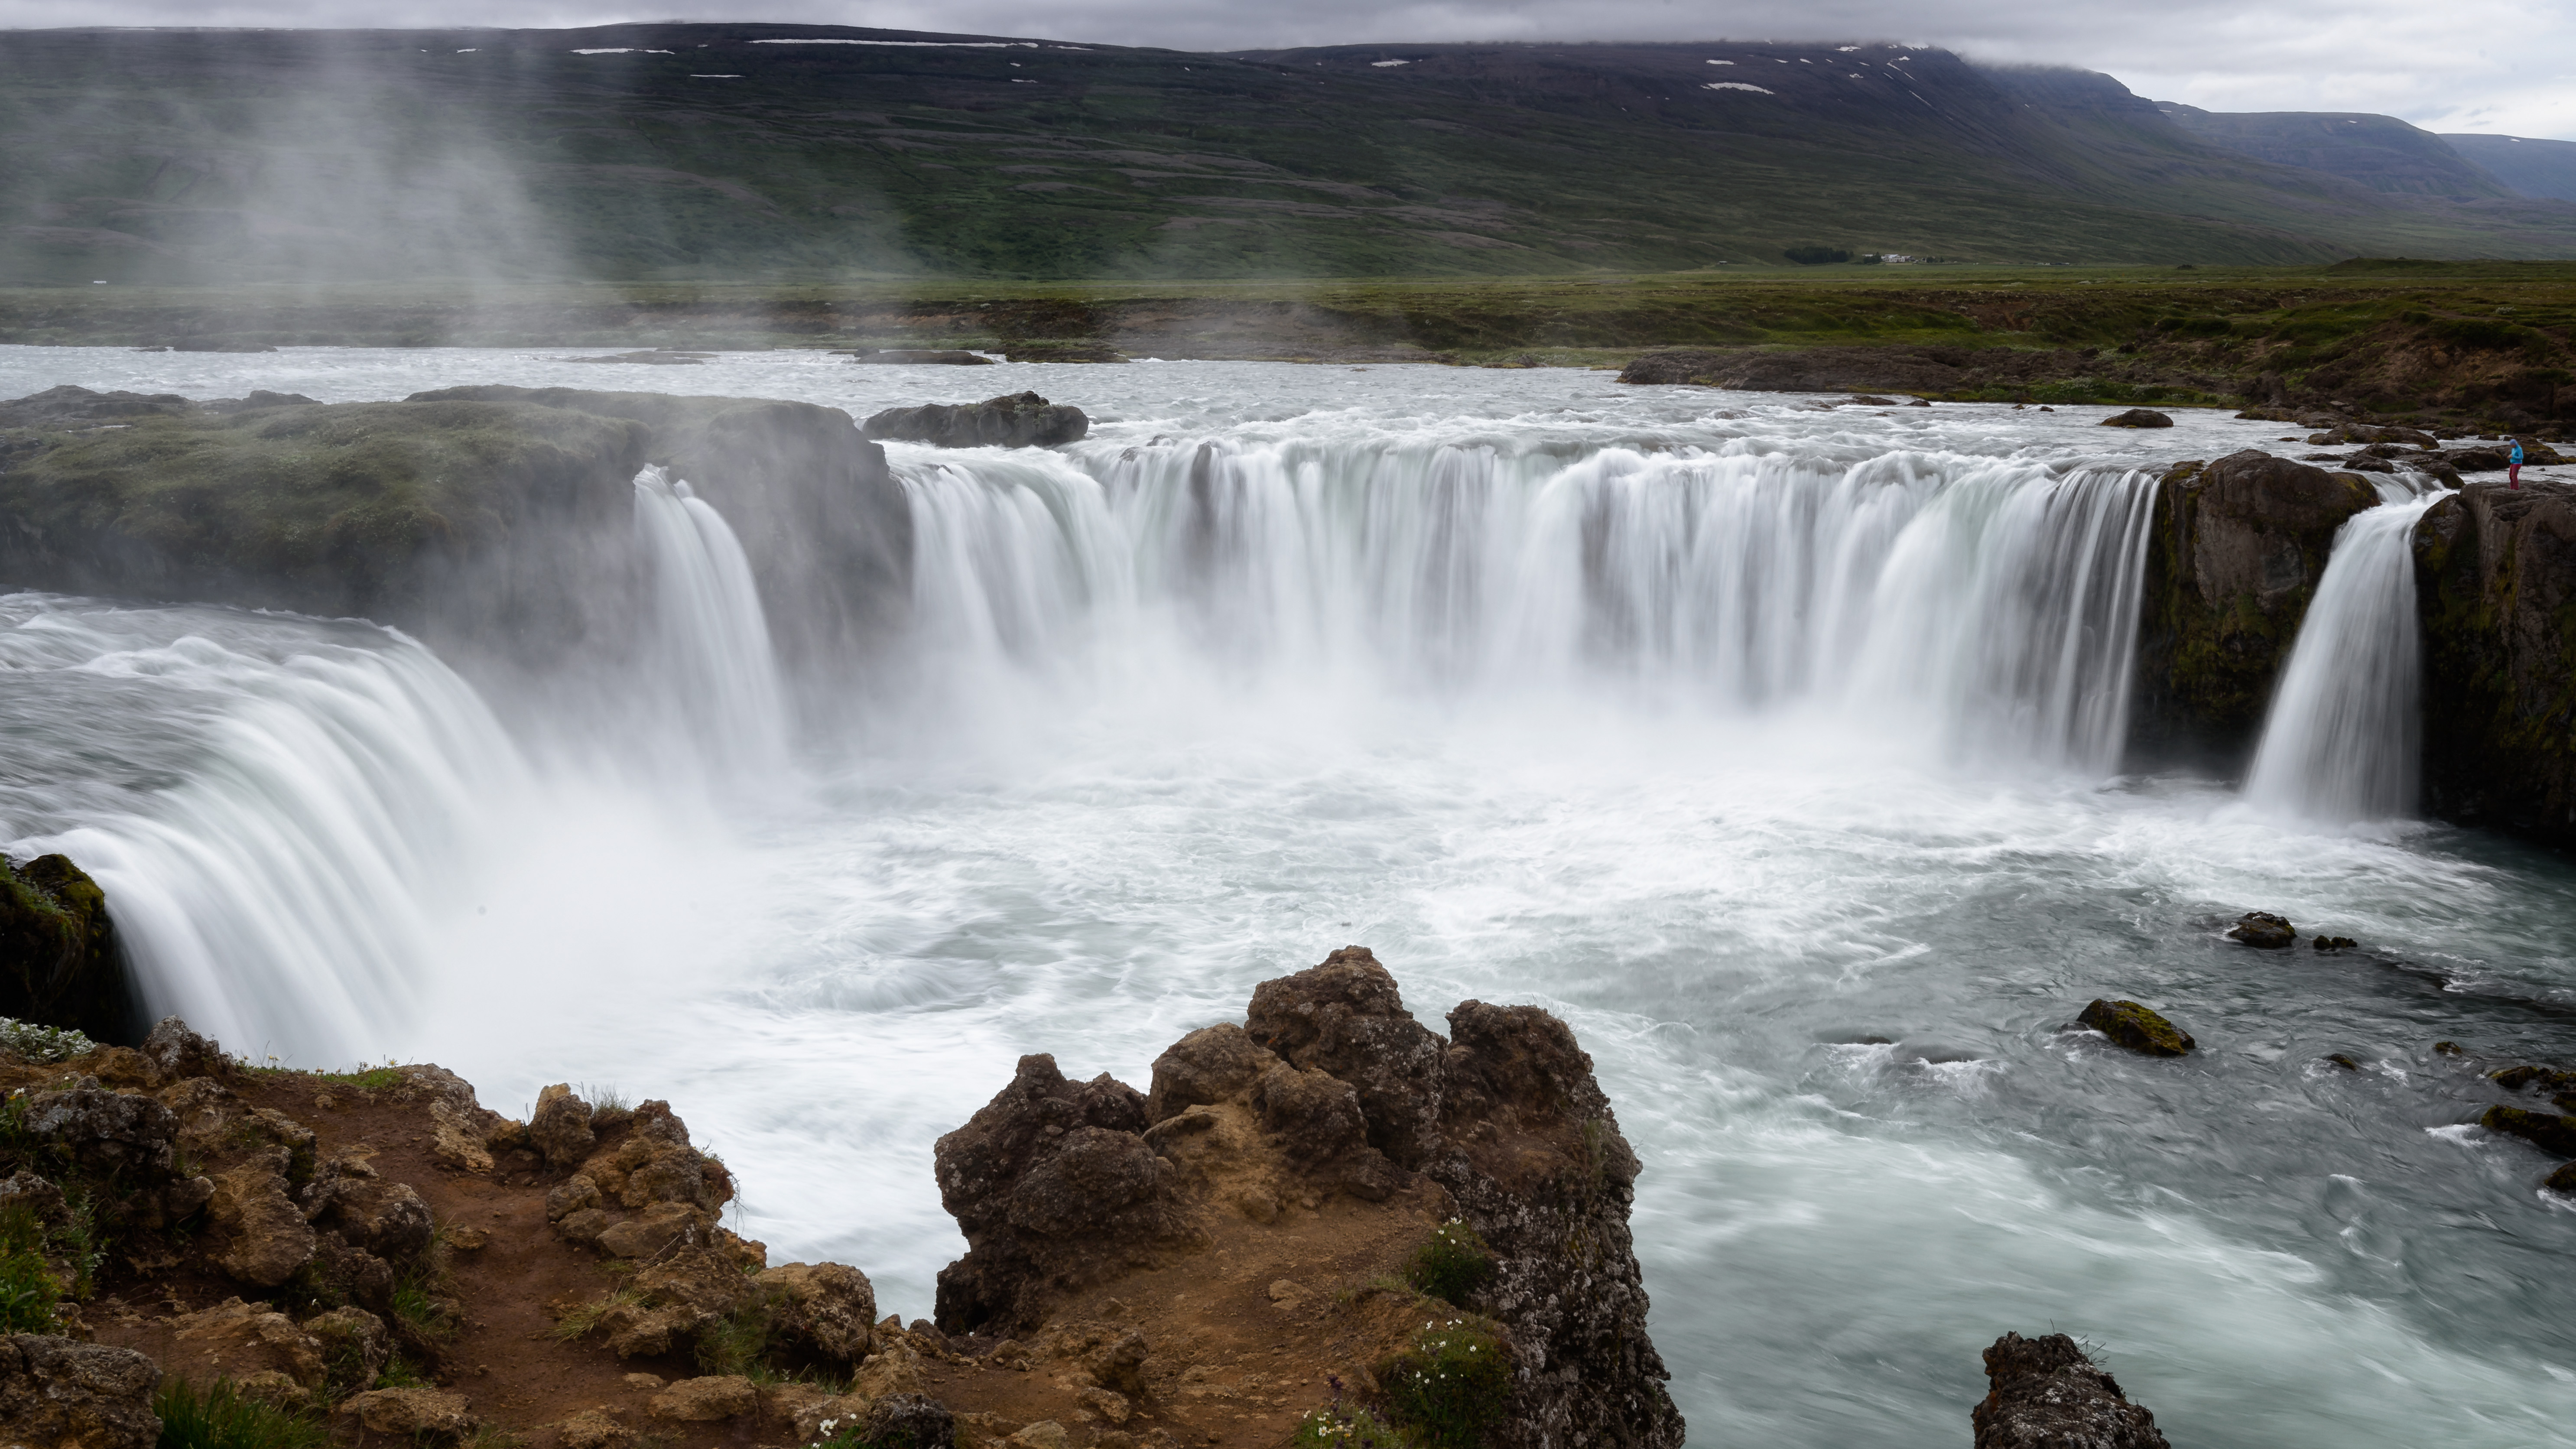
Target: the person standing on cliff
pixel 2513 464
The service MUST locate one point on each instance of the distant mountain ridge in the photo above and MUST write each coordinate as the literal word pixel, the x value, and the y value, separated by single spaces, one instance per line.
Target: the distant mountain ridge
pixel 763 150
pixel 2529 165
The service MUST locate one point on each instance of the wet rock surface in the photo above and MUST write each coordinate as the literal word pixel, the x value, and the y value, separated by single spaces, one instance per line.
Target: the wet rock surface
pixel 2137 1028
pixel 2234 554
pixel 2045 1394
pixel 59 961
pixel 2264 931
pixel 2495 580
pixel 2138 418
pixel 1013 420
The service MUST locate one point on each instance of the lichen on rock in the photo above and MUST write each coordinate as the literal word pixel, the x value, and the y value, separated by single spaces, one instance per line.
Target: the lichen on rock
pixel 2045 1394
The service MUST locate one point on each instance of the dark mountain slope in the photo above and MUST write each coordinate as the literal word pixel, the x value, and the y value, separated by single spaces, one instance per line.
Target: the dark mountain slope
pixel 2381 152
pixel 765 151
pixel 2531 166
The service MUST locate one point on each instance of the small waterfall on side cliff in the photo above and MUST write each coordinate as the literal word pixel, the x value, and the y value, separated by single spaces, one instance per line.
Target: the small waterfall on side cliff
pixel 2340 743
pixel 1989 606
pixel 712 656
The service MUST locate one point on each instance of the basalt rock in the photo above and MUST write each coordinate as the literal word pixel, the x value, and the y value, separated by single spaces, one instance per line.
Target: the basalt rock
pixel 59 960
pixel 2138 418
pixel 57 1394
pixel 2545 1130
pixel 2045 1394
pixel 1348 1093
pixel 2495 592
pixel 828 1309
pixel 494 520
pixel 2137 1028
pixel 2234 553
pixel 1014 420
pixel 2264 931
pixel 1054 1187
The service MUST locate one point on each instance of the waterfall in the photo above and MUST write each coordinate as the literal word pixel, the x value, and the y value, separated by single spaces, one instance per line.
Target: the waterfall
pixel 1987 605
pixel 2341 741
pixel 713 664
pixel 334 803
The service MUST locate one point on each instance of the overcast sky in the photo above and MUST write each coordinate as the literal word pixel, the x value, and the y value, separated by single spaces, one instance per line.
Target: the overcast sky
pixel 2504 66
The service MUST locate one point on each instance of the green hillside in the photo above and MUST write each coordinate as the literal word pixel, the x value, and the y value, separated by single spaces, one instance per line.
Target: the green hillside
pixel 766 152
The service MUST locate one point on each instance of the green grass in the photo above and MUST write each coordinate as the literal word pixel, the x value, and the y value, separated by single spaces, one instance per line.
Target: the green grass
pixel 1451 1264
pixel 1451 1387
pixel 216 1416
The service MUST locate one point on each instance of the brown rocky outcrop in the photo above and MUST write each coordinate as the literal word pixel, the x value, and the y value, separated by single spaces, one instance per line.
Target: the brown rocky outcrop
pixel 57 1394
pixel 2045 1394
pixel 2234 554
pixel 1332 1089
pixel 1054 1187
pixel 2495 589
pixel 1013 420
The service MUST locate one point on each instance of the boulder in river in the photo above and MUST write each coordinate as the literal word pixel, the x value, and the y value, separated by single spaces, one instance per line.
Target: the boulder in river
pixel 2043 1393
pixel 2495 584
pixel 2264 931
pixel 2545 1130
pixel 60 965
pixel 918 357
pixel 1014 420
pixel 2137 1028
pixel 2138 418
pixel 2234 553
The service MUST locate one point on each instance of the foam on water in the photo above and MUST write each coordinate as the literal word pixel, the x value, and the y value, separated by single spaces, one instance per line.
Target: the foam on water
pixel 1772 747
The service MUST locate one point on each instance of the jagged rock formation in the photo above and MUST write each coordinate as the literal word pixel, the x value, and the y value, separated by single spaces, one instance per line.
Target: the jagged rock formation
pixel 2234 554
pixel 2045 1394
pixel 494 518
pixel 1331 1093
pixel 57 1394
pixel 2495 572
pixel 59 962
pixel 1013 420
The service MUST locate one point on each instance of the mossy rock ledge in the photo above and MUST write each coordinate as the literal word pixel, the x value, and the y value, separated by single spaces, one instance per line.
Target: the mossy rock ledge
pixel 494 518
pixel 2233 557
pixel 2495 589
pixel 60 964
pixel 2137 1028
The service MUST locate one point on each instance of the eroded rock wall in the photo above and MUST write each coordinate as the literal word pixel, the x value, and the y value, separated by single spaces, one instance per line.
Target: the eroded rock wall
pixel 2495 572
pixel 2234 556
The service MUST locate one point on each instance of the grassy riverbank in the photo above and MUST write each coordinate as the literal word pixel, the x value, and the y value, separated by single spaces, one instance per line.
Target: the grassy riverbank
pixel 2394 334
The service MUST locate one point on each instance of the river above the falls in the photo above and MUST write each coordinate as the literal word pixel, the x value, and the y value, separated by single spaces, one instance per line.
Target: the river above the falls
pixel 1773 745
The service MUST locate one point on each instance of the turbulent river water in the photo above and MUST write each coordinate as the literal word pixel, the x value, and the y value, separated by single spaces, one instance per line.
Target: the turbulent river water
pixel 1776 747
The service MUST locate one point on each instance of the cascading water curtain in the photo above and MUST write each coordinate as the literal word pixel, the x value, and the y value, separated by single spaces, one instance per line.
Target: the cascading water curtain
pixel 2342 740
pixel 1991 605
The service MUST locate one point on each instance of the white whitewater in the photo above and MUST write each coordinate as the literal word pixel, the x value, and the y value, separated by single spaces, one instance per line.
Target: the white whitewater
pixel 1986 606
pixel 282 895
pixel 2342 739
pixel 713 662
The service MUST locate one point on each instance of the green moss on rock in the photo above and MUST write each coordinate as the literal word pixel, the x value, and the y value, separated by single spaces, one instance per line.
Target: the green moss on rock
pixel 60 965
pixel 2546 1130
pixel 2137 1028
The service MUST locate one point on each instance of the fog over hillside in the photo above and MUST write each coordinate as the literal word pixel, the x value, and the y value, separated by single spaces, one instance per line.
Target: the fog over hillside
pixel 772 150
